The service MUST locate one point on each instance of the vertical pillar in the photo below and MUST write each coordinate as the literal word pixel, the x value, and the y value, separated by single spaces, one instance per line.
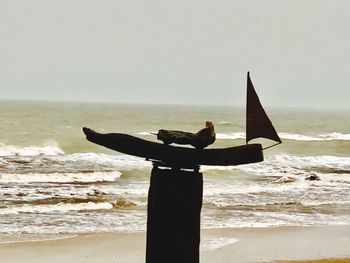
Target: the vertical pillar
pixel 173 219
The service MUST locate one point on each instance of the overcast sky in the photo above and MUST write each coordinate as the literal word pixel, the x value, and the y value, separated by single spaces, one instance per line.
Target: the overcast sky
pixel 178 52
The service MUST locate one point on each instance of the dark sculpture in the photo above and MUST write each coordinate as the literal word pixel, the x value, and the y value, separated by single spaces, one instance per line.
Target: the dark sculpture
pixel 176 189
pixel 175 155
pixel 199 140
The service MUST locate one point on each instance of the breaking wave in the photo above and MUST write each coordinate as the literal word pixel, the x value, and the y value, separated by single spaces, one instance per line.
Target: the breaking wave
pixel 291 136
pixel 230 136
pixel 282 173
pixel 71 167
pixel 118 160
pixel 61 207
pixel 321 137
pixel 283 165
pixel 34 150
pixel 224 123
pixel 60 177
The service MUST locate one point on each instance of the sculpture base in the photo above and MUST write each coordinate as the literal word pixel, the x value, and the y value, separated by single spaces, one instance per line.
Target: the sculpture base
pixel 173 220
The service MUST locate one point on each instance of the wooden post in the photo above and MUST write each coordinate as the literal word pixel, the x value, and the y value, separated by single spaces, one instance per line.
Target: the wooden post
pixel 173 220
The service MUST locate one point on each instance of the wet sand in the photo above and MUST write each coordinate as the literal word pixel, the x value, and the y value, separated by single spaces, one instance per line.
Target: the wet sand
pixel 219 245
pixel 343 260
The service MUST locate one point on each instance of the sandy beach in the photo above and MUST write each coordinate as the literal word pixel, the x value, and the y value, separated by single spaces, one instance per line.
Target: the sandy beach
pixel 218 245
pixel 332 260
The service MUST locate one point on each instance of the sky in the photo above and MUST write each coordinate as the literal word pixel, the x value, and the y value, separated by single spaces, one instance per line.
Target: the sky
pixel 176 52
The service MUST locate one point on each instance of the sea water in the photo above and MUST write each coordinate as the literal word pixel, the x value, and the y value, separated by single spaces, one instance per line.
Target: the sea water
pixel 53 181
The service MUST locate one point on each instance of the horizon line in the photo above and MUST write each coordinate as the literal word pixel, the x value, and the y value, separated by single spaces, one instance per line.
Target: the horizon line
pixel 170 104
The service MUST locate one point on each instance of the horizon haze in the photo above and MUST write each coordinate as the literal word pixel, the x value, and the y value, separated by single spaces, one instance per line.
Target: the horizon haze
pixel 184 52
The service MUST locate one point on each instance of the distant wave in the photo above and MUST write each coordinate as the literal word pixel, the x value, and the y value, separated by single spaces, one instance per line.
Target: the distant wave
pixel 71 166
pixel 61 207
pixel 45 149
pixel 321 137
pixel 299 167
pixel 284 169
pixel 100 167
pixel 118 161
pixel 284 135
pixel 230 136
pixel 59 177
pixel 66 207
pixel 224 123
pixel 291 136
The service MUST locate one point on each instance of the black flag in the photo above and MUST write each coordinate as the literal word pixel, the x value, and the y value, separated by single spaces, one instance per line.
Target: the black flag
pixel 258 123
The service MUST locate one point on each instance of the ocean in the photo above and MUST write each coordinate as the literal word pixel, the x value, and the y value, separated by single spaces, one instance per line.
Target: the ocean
pixel 54 182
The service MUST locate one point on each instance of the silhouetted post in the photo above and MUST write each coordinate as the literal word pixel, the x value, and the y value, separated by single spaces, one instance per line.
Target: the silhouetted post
pixel 173 220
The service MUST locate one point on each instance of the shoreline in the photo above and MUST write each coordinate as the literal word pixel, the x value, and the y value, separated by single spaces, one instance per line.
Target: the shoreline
pixel 329 260
pixel 277 245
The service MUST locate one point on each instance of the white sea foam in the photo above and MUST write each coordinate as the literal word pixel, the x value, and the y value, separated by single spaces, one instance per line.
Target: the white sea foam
pixel 229 203
pixel 230 136
pixel 320 137
pixel 271 219
pixel 212 243
pixel 134 190
pixel 219 193
pixel 9 239
pixel 336 162
pixel 119 161
pixel 45 149
pixel 299 137
pixel 281 165
pixel 286 172
pixel 59 177
pixel 333 202
pixel 223 123
pixel 74 222
pixel 61 207
pixel 335 136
